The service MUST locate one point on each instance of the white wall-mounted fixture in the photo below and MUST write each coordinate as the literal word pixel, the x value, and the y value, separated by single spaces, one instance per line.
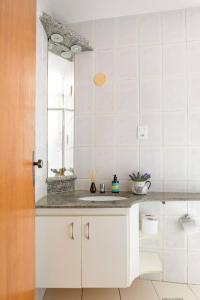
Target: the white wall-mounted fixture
pixel 142 132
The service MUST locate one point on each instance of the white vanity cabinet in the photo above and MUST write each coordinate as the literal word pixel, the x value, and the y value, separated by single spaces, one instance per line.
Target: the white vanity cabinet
pixel 89 248
pixel 58 251
pixel 104 251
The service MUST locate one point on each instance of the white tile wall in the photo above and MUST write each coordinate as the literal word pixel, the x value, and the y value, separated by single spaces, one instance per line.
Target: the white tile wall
pixel 153 79
pixel 175 128
pixel 84 162
pixel 194 241
pixel 126 123
pixel 104 63
pixel 193 95
pixel 153 121
pixel 104 33
pixel 194 267
pixel 104 130
pixel 127 96
pixel 174 94
pixel 104 99
pixel 84 130
pixel 193 55
pixel 150 95
pixel 127 62
pixel 175 208
pixel 177 249
pixel 194 156
pixel 174 59
pixel 175 266
pixel 104 162
pixel 84 97
pixel 194 123
pixel 193 22
pixel 175 186
pixel 147 155
pixel 125 35
pixel 151 62
pixel 174 237
pixel 175 163
pixel 150 26
pixel 174 26
pixel 126 158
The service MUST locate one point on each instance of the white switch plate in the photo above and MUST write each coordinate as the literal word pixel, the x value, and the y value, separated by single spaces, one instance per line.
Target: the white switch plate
pixel 142 132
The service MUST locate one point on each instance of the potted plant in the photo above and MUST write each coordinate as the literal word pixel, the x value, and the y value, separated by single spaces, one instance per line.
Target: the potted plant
pixel 141 183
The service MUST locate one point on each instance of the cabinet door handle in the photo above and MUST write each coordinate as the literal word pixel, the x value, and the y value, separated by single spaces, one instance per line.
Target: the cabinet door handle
pixel 72 232
pixel 88 231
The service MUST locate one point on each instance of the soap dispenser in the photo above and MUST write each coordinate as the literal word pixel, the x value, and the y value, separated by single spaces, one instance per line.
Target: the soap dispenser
pixel 115 185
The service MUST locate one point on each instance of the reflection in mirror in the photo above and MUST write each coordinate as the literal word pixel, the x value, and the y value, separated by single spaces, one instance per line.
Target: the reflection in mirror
pixel 60 115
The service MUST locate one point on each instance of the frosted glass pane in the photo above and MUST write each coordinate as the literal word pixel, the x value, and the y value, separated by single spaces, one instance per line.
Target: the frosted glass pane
pixel 68 86
pixel 55 101
pixel 69 139
pixel 69 158
pixel 54 141
pixel 55 91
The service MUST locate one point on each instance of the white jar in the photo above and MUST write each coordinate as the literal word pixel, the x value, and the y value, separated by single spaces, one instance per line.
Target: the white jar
pixel 150 224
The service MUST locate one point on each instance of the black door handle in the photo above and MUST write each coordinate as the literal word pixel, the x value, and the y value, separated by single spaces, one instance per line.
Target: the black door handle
pixel 38 163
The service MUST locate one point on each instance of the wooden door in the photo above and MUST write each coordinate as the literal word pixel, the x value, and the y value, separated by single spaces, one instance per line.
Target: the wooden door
pixel 58 252
pixel 104 251
pixel 17 97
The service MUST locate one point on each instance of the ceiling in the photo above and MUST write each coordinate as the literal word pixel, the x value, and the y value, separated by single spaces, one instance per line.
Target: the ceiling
pixel 70 11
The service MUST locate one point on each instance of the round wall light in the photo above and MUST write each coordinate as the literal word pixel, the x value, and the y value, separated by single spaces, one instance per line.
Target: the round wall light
pixel 100 79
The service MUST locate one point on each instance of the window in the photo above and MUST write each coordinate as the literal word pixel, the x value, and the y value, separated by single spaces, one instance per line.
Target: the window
pixel 60 114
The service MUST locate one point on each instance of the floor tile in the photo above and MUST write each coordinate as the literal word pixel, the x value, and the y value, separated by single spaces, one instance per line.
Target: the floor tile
pixel 196 290
pixel 100 294
pixel 173 290
pixel 63 294
pixel 139 290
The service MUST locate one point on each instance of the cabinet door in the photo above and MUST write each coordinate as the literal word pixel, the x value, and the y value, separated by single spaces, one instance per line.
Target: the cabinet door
pixel 104 251
pixel 58 252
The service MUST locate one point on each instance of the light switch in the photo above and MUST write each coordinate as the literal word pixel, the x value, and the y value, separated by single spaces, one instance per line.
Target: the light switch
pixel 142 132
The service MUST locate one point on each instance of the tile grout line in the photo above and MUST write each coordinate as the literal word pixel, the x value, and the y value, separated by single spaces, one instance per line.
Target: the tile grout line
pixel 120 296
pixel 162 216
pixel 138 22
pixel 193 292
pixel 44 294
pixel 186 78
pixel 163 79
pixel 155 290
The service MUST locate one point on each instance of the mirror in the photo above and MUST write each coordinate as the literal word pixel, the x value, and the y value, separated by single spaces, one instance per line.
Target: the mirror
pixel 60 115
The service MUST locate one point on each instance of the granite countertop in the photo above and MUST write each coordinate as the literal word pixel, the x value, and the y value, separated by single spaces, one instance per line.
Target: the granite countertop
pixel 71 199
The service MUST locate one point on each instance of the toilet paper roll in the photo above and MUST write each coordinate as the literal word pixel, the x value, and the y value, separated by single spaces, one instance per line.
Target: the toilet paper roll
pixel 149 225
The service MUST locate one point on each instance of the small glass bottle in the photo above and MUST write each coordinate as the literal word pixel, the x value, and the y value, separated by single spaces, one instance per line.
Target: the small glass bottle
pixel 93 188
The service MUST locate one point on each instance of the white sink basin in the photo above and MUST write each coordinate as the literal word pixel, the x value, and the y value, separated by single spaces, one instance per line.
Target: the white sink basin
pixel 102 198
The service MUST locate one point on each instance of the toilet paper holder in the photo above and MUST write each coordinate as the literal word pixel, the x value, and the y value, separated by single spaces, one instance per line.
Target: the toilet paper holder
pixel 187 223
pixel 149 224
